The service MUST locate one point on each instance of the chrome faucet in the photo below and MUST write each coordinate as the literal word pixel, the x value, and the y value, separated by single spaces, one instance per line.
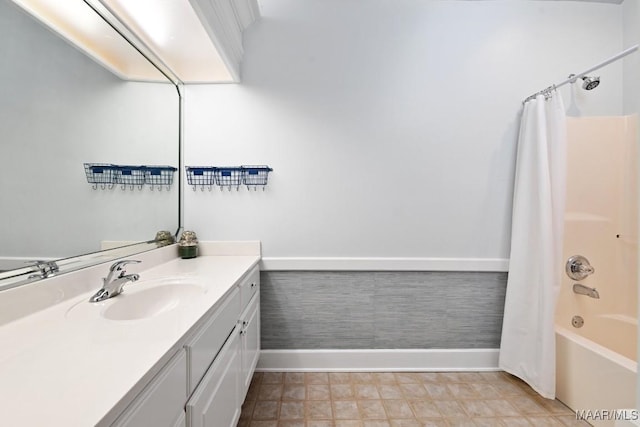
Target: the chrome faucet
pixel 113 286
pixel 578 267
pixel 585 290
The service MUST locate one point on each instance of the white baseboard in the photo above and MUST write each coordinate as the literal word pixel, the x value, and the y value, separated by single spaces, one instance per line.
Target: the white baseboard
pixel 379 360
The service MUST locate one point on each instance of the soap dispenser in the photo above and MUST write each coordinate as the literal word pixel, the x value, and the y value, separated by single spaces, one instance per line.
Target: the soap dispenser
pixel 188 245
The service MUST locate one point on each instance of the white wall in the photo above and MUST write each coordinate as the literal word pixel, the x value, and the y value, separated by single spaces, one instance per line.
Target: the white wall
pixel 391 126
pixel 59 109
pixel 631 63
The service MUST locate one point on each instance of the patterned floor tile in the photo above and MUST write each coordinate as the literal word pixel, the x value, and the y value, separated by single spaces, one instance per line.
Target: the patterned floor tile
pixel 398 399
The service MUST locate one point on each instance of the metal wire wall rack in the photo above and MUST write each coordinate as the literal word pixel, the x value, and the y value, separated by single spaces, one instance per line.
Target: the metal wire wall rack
pixel 159 176
pixel 100 174
pixel 108 175
pixel 253 176
pixel 228 176
pixel 200 176
pixel 131 176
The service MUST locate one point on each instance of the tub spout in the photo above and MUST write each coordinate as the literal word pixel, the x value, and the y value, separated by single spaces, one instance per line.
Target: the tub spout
pixel 585 290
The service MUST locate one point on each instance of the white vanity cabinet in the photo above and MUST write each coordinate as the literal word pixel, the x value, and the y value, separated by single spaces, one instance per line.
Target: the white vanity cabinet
pixel 186 334
pixel 205 383
pixel 161 403
pixel 218 396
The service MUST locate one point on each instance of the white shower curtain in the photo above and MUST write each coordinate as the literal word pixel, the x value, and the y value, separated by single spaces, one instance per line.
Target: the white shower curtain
pixel 527 349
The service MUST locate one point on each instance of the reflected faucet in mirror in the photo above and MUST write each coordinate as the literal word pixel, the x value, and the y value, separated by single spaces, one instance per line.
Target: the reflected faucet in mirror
pixel 111 286
pixel 44 269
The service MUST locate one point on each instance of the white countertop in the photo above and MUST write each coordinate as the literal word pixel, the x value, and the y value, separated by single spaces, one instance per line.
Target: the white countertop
pixel 58 370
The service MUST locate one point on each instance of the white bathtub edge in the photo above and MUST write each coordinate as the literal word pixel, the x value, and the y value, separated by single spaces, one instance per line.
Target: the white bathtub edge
pixel 631 421
pixel 593 380
pixel 627 423
pixel 609 354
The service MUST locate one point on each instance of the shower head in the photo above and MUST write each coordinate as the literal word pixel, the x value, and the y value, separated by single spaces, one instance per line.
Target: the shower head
pixel 590 82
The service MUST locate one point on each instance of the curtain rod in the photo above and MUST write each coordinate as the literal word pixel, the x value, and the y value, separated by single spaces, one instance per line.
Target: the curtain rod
pixel 575 77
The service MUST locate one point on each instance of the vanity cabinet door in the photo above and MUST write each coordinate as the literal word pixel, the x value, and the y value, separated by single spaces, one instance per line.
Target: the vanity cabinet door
pixel 161 403
pixel 181 421
pixel 250 342
pixel 203 348
pixel 216 403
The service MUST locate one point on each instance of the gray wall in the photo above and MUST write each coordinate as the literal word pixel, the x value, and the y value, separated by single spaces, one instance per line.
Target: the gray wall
pixel 390 310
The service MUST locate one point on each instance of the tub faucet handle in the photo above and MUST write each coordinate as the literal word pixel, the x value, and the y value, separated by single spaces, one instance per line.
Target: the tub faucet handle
pixel 587 269
pixel 578 267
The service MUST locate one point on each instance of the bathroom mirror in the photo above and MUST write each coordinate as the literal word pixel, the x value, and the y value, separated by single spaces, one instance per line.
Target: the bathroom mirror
pixel 60 109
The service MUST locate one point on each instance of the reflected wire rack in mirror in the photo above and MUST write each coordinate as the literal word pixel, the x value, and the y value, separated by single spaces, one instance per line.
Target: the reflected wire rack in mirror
pixel 108 175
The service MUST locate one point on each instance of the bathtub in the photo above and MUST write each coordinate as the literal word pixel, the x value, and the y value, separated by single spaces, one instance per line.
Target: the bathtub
pixel 590 376
pixel 596 364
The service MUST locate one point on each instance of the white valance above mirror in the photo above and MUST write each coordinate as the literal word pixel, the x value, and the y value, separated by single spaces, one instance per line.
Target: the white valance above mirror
pixel 193 41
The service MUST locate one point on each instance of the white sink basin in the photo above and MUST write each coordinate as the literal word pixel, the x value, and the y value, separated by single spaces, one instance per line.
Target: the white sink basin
pixel 150 302
pixel 141 300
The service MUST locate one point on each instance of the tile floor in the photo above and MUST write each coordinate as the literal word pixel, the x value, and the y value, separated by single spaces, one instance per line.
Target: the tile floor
pixel 387 399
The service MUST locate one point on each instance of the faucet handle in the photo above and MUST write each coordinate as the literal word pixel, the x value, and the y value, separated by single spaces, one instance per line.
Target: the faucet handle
pixel 578 267
pixel 118 266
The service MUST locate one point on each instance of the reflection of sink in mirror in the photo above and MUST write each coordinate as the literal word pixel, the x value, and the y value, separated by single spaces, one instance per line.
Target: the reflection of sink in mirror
pixel 148 299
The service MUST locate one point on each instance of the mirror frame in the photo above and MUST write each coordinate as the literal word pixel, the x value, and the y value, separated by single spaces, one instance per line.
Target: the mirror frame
pixel 33 273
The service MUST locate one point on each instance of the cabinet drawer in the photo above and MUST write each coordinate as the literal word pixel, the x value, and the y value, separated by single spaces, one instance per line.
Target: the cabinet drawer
pixel 249 343
pixel 249 286
pixel 203 348
pixel 161 403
